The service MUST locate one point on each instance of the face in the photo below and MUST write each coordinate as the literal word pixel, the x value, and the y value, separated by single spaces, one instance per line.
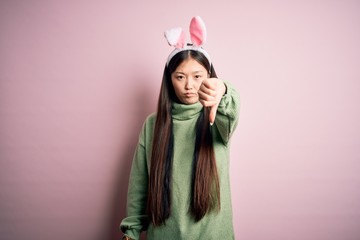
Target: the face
pixel 187 79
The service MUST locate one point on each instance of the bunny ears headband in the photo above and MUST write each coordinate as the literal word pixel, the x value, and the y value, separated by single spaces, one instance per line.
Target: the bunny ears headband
pixel 176 38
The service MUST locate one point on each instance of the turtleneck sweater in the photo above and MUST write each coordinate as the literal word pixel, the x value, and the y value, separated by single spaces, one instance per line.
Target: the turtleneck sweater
pixel 180 224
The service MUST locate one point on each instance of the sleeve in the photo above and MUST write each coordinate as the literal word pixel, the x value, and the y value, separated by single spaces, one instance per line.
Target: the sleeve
pixel 227 115
pixel 137 220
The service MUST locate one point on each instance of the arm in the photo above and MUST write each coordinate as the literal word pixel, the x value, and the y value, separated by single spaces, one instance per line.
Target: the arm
pixel 228 113
pixel 137 220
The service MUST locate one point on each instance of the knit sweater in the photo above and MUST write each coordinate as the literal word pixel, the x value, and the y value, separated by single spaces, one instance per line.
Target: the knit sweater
pixel 181 225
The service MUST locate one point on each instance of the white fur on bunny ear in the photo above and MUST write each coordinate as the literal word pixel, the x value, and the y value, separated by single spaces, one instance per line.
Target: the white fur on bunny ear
pixel 197 31
pixel 175 37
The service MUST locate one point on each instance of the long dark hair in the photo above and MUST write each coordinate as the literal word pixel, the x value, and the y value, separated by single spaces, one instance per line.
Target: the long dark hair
pixel 205 186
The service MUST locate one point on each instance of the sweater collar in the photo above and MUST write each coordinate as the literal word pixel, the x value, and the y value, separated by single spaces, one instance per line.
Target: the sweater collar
pixel 184 111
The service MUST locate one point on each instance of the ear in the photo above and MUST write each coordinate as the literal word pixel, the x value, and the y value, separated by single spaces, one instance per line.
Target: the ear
pixel 197 31
pixel 175 37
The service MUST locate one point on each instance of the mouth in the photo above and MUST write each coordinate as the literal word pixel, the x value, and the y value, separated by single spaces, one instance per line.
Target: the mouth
pixel 189 94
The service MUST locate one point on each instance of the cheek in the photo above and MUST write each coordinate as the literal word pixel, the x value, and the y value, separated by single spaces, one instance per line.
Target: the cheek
pixel 198 84
pixel 176 86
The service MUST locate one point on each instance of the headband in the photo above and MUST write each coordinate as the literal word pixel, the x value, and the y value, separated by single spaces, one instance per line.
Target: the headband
pixel 176 38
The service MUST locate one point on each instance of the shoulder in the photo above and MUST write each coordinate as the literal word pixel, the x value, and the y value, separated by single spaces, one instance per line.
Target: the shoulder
pixel 147 130
pixel 149 123
pixel 150 119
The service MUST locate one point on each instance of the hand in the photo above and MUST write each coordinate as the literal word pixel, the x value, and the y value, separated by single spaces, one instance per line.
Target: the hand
pixel 210 93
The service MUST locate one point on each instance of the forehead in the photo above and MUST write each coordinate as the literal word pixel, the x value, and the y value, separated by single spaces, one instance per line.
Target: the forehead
pixel 190 65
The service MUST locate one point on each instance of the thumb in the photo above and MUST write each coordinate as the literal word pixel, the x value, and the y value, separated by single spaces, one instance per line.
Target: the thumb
pixel 212 114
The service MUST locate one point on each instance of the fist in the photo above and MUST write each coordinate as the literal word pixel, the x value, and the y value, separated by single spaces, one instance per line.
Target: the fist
pixel 210 93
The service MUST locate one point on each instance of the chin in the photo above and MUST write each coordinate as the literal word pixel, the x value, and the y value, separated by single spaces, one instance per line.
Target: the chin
pixel 188 102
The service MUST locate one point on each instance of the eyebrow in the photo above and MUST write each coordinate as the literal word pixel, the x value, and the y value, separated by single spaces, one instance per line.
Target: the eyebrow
pixel 198 71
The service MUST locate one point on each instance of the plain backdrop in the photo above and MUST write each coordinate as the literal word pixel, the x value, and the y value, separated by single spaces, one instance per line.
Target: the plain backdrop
pixel 78 78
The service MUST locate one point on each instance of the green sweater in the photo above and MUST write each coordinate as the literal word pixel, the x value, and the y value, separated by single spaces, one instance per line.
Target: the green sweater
pixel 180 224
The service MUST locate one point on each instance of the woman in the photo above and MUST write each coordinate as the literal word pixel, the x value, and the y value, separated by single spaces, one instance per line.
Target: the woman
pixel 179 183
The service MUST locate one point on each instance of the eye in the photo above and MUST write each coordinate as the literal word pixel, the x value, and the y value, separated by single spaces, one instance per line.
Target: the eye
pixel 179 77
pixel 198 76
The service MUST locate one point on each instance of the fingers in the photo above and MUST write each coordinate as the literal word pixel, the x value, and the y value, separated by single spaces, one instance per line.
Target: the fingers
pixel 210 83
pixel 207 93
pixel 207 98
pixel 210 94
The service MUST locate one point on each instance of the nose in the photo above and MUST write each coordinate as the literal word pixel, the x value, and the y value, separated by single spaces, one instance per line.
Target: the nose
pixel 189 83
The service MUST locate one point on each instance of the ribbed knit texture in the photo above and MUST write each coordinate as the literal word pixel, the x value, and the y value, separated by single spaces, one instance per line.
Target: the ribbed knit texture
pixel 180 225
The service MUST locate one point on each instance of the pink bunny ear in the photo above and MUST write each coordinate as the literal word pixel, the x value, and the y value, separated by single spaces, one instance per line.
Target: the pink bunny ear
pixel 197 31
pixel 175 37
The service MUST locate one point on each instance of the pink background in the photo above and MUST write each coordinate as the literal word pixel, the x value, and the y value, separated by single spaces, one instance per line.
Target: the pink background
pixel 77 79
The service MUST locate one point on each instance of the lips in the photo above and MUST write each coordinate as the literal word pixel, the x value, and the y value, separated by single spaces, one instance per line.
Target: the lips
pixel 189 94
